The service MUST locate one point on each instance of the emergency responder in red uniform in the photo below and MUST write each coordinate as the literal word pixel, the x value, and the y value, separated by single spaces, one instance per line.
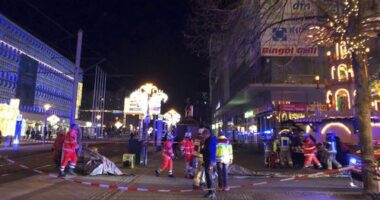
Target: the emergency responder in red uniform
pixel 57 147
pixel 309 150
pixel 187 149
pixel 167 157
pixel 70 146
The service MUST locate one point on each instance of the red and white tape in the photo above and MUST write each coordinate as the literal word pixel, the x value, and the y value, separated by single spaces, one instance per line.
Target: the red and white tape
pixel 174 190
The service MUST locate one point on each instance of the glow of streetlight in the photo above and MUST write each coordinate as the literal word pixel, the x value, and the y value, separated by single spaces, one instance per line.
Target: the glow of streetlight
pixel 316 78
pixel 47 107
pixel 98 117
pixel 118 124
pixel 172 116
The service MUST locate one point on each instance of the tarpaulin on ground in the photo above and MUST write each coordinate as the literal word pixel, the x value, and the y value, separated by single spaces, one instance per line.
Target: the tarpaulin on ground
pixel 94 163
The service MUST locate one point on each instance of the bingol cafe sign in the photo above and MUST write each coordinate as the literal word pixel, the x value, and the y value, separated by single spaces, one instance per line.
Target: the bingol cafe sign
pixel 289 51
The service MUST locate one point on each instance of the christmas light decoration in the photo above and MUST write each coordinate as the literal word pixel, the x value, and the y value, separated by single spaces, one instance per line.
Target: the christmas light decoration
pixel 335 124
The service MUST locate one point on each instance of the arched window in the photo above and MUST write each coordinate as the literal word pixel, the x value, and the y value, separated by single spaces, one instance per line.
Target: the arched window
pixel 328 97
pixel 342 72
pixel 333 72
pixel 342 100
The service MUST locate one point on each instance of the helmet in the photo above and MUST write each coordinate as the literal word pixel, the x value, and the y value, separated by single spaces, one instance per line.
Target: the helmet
pixel 170 137
pixel 188 134
pixel 206 131
pixel 74 126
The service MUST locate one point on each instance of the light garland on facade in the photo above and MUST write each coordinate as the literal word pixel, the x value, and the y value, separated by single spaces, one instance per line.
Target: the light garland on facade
pixel 38 60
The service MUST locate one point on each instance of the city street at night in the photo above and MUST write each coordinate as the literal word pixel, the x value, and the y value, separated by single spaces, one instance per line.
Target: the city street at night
pixel 190 99
pixel 19 183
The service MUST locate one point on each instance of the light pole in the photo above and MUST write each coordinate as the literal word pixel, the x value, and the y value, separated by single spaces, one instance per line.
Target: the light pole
pixel 46 108
pixel 98 117
pixel 316 78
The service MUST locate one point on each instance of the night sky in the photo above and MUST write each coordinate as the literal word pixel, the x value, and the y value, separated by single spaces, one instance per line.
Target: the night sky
pixel 142 38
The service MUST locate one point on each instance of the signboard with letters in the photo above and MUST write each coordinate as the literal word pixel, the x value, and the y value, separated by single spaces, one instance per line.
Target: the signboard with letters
pixel 286 38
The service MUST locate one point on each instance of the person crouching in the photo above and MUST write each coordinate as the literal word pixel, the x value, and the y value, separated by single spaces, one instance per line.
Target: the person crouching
pixel 167 157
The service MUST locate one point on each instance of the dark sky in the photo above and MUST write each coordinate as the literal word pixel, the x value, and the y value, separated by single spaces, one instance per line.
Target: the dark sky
pixel 143 38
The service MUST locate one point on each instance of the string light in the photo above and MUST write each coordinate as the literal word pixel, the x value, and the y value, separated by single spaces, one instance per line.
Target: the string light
pixel 336 29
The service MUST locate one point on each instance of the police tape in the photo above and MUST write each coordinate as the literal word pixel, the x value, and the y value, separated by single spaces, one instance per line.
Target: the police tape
pixel 175 190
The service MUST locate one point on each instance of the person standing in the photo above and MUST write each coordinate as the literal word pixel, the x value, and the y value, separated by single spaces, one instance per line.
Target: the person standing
pixel 33 134
pixel 285 155
pixel 332 151
pixel 224 157
pixel 309 150
pixel 70 146
pixel 57 147
pixel 187 149
pixel 27 133
pixel 175 144
pixel 167 157
pixel 199 177
pixel 209 158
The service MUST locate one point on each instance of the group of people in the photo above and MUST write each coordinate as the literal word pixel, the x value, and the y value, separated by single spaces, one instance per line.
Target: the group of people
pixel 288 149
pixel 203 155
pixel 65 149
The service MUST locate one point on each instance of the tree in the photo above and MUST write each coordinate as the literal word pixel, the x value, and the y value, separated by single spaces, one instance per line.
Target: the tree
pixel 354 22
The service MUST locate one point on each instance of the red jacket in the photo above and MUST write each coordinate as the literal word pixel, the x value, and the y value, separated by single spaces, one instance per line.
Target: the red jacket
pixel 187 147
pixel 168 149
pixel 70 144
pixel 309 147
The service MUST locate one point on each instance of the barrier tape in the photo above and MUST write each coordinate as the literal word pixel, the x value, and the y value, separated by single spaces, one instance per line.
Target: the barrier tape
pixel 161 190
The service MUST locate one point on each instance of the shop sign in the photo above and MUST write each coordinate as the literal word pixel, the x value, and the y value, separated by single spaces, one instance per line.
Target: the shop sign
pixel 249 114
pixel 287 37
pixel 291 116
pixel 299 107
pixel 262 109
pixel 317 107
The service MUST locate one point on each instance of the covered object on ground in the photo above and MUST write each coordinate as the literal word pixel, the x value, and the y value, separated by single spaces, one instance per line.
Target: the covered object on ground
pixel 93 163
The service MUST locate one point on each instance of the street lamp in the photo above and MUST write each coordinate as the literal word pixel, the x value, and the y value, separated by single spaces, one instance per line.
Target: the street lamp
pixel 148 96
pixel 98 128
pixel 316 78
pixel 172 117
pixel 47 108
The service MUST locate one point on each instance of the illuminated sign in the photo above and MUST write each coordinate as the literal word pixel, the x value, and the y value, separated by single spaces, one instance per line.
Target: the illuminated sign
pixel 79 99
pixel 249 114
pixel 53 119
pixel 299 107
pixel 291 116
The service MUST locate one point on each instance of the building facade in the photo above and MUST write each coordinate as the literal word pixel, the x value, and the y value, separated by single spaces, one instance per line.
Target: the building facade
pixel 251 81
pixel 35 74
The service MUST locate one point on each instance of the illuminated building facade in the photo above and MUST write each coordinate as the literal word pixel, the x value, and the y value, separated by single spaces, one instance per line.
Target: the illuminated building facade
pixel 339 115
pixel 35 74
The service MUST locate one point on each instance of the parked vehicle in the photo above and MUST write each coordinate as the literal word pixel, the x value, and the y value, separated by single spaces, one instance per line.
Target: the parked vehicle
pixel 356 172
